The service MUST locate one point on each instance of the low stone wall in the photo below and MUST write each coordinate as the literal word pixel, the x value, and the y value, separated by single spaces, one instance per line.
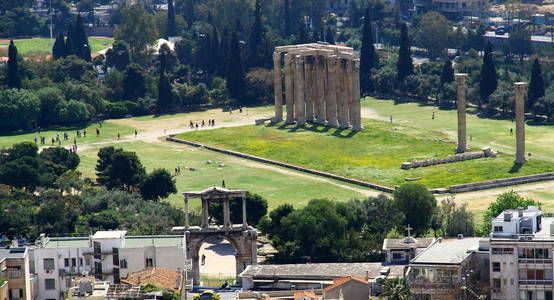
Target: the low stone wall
pixel 484 185
pixel 484 153
pixel 285 165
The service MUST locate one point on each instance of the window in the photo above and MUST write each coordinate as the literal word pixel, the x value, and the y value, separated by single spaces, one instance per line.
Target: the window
pixel 115 257
pixel 67 283
pixel 496 284
pixel 397 255
pixel 97 268
pixel 49 264
pixel 16 294
pixel 15 272
pixel 149 262
pixel 502 250
pixel 97 250
pixel 73 262
pixel 66 262
pixel 498 229
pixel 87 261
pixel 50 284
pixel 496 267
pixel 80 261
pixel 123 263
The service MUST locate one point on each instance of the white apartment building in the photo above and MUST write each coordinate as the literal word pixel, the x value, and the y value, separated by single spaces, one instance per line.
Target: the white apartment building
pixel 106 255
pixel 521 258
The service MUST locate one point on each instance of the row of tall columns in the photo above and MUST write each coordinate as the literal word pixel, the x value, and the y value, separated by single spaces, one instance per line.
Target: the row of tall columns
pixel 226 214
pixel 318 88
pixel 520 88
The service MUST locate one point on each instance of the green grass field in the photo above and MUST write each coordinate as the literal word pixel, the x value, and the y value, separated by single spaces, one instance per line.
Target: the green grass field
pixel 374 154
pixel 276 187
pixel 37 47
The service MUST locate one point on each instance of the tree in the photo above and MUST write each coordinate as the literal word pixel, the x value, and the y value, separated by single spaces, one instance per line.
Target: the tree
pixel 235 72
pixel 404 66
pixel 19 109
pixel 138 29
pixel 134 83
pixel 103 163
pixel 536 85
pixel 519 43
pixel 287 21
pixel 433 33
pixel 12 79
pixel 417 204
pixel 460 221
pixel 302 34
pixel 158 185
pixel 329 38
pixel 171 27
pixel 69 41
pixel 489 78
pixel 118 56
pixel 165 95
pixel 61 156
pixel 367 56
pixel 125 171
pixel 255 47
pixel 447 74
pixel 504 201
pixel 272 225
pixel 50 99
pixel 80 40
pixel 58 50
pixel 397 288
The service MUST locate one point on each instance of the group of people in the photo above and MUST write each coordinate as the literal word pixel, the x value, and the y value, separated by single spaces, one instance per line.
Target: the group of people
pixel 211 123
pixel 177 170
pixel 57 139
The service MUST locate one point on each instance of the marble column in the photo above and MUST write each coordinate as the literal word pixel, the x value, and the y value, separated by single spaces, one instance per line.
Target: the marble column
pixel 205 214
pixel 186 212
pixel 319 75
pixel 244 223
pixel 356 107
pixel 520 122
pixel 461 102
pixel 330 91
pixel 278 88
pixel 299 100
pixel 342 93
pixel 289 87
pixel 309 93
pixel 226 214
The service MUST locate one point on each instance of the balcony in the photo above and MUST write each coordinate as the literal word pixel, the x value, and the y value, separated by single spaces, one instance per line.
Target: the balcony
pixel 72 271
pixel 547 282
pixel 545 261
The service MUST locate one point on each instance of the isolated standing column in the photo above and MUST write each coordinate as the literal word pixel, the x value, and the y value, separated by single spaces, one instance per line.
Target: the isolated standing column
pixel 342 93
pixel 462 133
pixel 300 102
pixel 356 109
pixel 309 92
pixel 278 88
pixel 520 122
pixel 289 87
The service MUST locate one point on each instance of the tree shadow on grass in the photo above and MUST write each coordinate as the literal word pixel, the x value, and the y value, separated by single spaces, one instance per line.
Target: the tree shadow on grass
pixel 344 133
pixel 515 168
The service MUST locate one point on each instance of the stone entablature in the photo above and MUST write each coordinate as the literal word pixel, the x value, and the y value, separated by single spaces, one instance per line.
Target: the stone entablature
pixel 322 85
pixel 484 153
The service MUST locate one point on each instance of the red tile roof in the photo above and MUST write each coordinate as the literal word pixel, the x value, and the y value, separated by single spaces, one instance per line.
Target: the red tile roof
pixel 159 277
pixel 340 281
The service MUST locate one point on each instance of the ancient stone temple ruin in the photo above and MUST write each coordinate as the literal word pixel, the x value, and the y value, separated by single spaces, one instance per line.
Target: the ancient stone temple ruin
pixel 321 85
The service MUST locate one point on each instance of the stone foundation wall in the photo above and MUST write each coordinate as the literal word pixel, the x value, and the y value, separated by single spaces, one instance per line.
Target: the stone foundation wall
pixel 484 153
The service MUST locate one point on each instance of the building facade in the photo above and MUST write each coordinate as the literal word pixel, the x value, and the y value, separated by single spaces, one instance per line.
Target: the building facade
pixel 17 280
pixel 106 255
pixel 521 257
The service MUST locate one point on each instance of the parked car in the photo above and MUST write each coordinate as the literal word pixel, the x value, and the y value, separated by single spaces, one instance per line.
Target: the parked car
pixel 207 295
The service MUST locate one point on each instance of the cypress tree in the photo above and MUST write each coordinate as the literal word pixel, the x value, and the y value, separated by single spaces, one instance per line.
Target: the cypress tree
pixel 302 35
pixel 329 38
pixel 286 15
pixel 13 80
pixel 367 56
pixel 235 72
pixel 256 38
pixel 447 74
pixel 238 26
pixel 489 78
pixel 171 28
pixel 404 66
pixel 164 88
pixel 58 50
pixel 536 85
pixel 79 39
pixel 69 41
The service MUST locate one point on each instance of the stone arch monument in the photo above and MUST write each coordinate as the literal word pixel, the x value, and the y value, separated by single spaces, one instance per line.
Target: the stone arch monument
pixel 242 236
